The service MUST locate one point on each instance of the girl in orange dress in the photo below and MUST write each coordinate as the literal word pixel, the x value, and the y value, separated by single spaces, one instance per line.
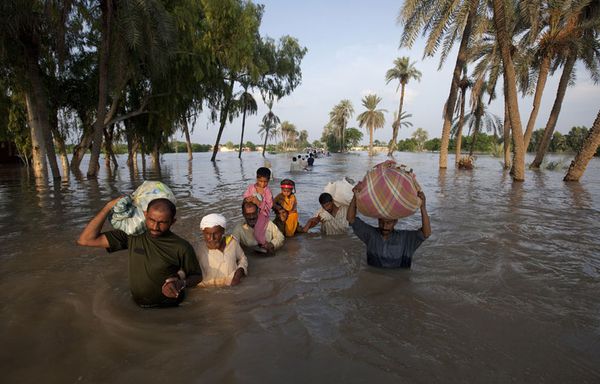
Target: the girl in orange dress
pixel 286 201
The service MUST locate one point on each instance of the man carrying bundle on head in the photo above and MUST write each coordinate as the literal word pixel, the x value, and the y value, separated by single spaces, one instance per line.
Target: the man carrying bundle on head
pixel 386 246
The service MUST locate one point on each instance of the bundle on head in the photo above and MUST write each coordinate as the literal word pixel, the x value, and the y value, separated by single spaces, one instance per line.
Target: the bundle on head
pixel 389 192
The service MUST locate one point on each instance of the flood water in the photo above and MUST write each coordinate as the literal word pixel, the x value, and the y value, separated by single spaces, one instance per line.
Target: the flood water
pixel 507 288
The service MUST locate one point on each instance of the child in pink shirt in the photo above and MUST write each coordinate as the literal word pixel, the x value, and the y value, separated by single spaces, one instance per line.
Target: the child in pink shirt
pixel 260 194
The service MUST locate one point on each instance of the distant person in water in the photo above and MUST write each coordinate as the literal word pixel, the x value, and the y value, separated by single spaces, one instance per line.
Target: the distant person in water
pixel 331 216
pixel 311 160
pixel 244 232
pixel 260 194
pixel 221 258
pixel 386 246
pixel 295 166
pixel 161 264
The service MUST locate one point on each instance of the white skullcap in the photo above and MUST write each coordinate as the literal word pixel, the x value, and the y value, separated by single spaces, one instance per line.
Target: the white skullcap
pixel 213 220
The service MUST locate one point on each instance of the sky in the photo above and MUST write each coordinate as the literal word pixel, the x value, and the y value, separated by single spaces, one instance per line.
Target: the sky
pixel 351 44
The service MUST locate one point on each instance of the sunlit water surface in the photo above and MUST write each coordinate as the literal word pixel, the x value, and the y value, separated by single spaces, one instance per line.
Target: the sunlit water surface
pixel 507 289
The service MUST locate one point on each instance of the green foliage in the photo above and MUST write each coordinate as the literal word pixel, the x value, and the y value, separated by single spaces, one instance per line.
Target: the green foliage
pixel 571 142
pixel 558 142
pixel 575 138
pixel 484 143
pixel 177 147
pixel 407 145
pixel 353 137
pixel 17 129
pixel 250 145
pixel 433 144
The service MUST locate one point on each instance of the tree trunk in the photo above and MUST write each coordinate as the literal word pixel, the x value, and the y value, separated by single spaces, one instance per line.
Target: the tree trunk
pixel 36 118
pixel 461 121
pixel 62 151
pixel 143 153
pixel 371 141
pixel 242 137
pixel 104 52
pixel 537 99
pixel 478 114
pixel 85 142
pixel 265 145
pixel 156 155
pixel 50 151
pixel 188 141
pixel 506 135
pixel 396 127
pixel 109 133
pixel 474 139
pixel 223 120
pixel 38 149
pixel 551 124
pixel 510 90
pixel 342 141
pixel 461 60
pixel 585 153
pixel 59 142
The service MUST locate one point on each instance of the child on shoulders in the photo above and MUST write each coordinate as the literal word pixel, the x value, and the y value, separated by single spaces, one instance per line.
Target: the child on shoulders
pixel 285 206
pixel 260 194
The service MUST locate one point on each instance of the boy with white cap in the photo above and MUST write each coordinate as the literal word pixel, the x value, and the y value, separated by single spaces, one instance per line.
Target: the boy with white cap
pixel 221 258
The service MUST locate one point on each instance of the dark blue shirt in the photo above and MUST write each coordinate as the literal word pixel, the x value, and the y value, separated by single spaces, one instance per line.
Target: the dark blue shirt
pixel 394 252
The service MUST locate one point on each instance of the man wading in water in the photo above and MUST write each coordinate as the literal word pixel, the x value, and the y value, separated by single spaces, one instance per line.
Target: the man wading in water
pixel 155 257
pixel 387 247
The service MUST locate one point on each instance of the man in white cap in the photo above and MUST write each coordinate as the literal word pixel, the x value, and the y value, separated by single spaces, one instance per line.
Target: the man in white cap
pixel 221 258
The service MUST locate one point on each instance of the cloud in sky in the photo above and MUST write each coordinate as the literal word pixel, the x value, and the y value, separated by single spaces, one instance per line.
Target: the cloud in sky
pixel 351 45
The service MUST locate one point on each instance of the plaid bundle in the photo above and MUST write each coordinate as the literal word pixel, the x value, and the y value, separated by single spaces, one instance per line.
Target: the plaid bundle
pixel 389 192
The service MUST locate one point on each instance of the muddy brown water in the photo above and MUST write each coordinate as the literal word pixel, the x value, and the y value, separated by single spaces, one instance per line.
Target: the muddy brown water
pixel 507 289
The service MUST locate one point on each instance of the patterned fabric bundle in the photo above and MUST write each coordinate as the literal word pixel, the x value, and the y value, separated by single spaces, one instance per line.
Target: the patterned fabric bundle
pixel 128 214
pixel 389 192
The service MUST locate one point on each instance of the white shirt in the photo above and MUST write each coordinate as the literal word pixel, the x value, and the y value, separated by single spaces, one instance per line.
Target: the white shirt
pixel 245 234
pixel 334 225
pixel 218 268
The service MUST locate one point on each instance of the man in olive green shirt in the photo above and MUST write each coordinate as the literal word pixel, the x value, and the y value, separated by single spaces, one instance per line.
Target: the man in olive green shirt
pixel 156 257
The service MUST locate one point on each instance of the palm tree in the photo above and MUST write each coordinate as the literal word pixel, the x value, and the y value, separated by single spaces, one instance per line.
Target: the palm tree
pixel 444 20
pixel 420 136
pixel 465 83
pixel 510 89
pixel 268 128
pixel 288 133
pixel 249 106
pixel 402 71
pixel 552 32
pixel 581 30
pixel 372 118
pixel 585 154
pixel 339 116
